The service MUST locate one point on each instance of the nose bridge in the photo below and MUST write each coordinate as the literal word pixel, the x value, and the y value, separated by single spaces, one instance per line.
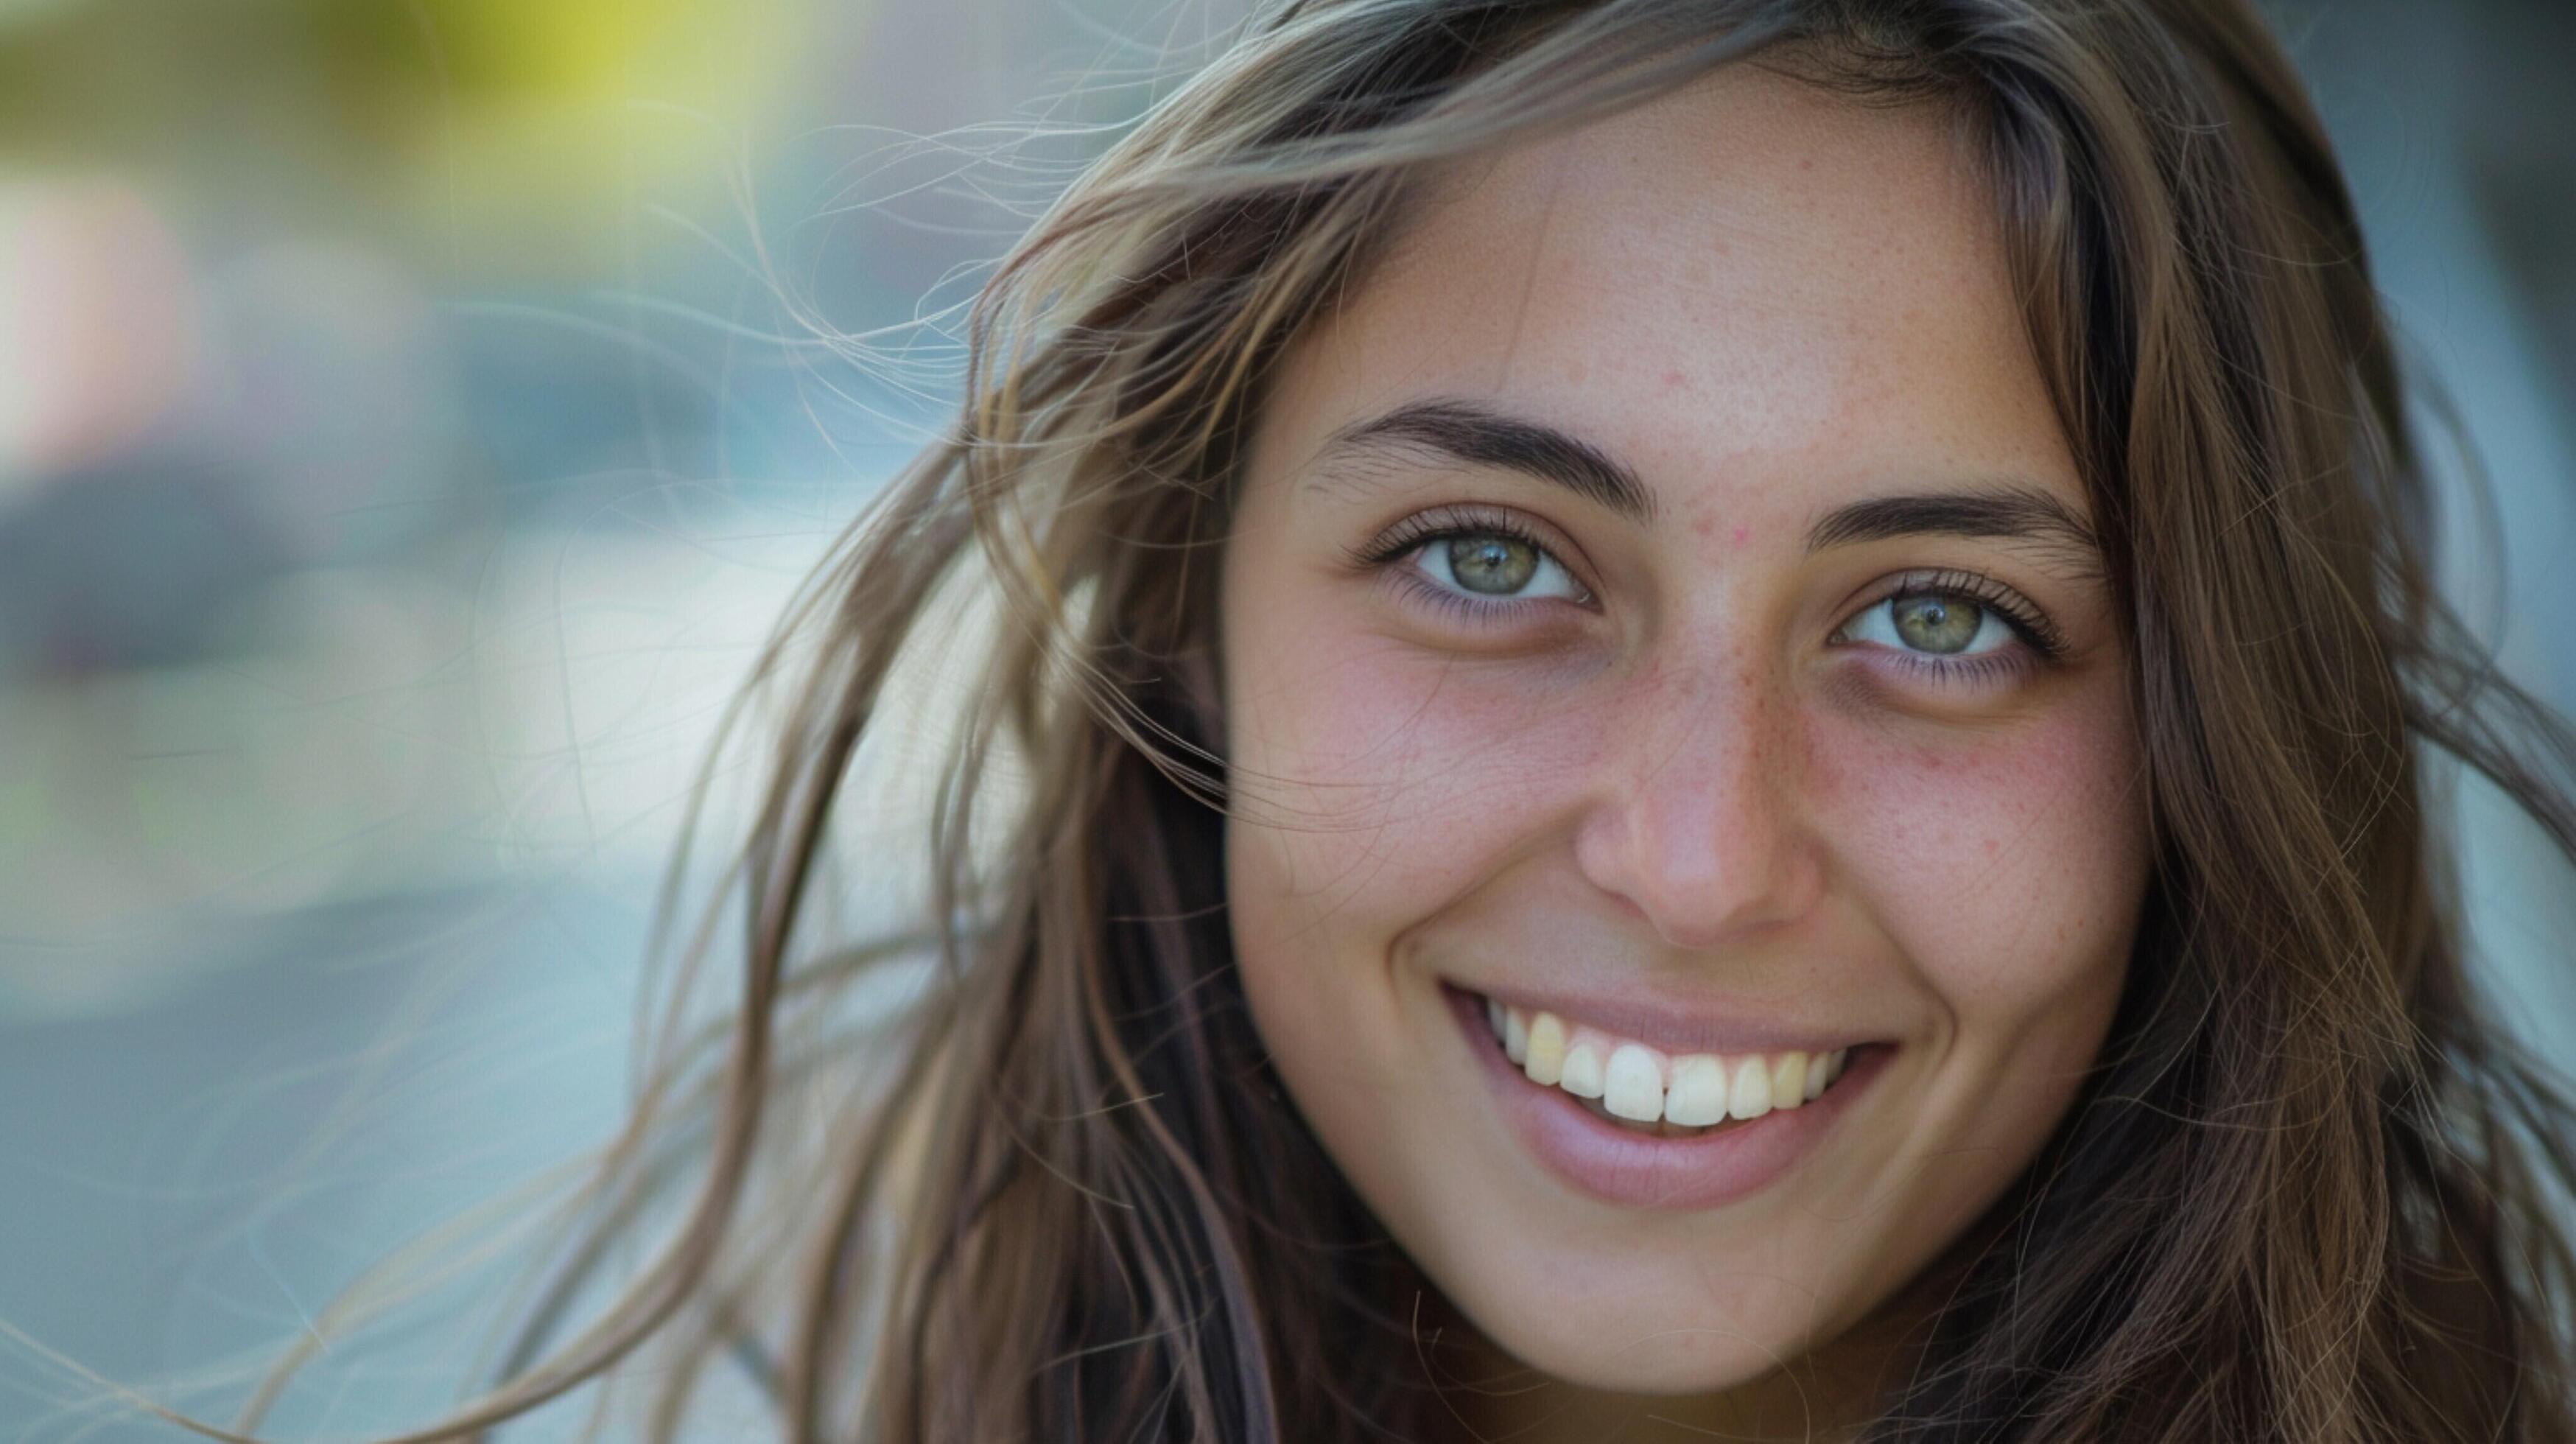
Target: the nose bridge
pixel 1697 821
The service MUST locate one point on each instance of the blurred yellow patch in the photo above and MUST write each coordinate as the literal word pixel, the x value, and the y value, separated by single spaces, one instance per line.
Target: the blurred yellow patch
pixel 561 49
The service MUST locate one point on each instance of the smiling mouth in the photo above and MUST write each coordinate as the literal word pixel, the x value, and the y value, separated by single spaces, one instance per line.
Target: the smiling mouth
pixel 1650 1092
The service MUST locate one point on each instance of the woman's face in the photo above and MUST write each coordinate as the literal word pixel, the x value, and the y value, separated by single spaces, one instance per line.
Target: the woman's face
pixel 1662 618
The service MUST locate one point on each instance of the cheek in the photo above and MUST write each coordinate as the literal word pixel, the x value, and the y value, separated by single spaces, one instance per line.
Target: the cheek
pixel 1373 783
pixel 2008 864
pixel 1373 786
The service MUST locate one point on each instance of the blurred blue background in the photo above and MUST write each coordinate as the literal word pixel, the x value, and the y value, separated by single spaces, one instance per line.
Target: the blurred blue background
pixel 411 421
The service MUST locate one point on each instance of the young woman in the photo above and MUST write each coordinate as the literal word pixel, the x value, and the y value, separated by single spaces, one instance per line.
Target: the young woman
pixel 1711 721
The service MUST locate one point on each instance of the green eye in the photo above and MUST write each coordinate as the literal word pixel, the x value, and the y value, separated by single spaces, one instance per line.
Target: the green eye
pixel 1931 624
pixel 1493 565
pixel 1485 563
pixel 1939 624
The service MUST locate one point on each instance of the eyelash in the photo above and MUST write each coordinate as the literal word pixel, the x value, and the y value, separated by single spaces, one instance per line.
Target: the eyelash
pixel 2041 637
pixel 1422 528
pixel 2027 622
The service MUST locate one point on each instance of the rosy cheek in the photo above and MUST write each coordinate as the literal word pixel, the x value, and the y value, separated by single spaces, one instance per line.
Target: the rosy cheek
pixel 2006 862
pixel 1395 773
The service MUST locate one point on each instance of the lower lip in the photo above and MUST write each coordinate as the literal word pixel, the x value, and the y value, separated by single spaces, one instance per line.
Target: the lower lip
pixel 1639 1170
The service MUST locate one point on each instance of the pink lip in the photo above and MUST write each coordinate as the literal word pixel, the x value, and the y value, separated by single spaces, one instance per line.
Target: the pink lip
pixel 1617 1165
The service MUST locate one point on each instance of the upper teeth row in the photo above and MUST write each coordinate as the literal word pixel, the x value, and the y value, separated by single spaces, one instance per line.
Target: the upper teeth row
pixel 1636 1082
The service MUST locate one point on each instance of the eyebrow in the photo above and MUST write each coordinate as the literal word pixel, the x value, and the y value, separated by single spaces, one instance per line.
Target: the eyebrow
pixel 1464 431
pixel 2009 511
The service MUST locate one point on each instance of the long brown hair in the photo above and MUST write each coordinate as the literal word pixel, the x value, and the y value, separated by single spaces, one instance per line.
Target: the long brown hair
pixel 2309 1193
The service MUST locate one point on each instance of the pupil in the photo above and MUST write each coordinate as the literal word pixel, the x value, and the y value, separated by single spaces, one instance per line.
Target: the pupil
pixel 1492 564
pixel 1938 624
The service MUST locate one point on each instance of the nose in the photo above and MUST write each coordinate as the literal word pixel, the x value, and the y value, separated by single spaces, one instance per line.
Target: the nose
pixel 1696 818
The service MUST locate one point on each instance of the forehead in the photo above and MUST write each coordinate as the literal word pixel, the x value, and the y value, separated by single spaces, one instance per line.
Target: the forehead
pixel 1760 295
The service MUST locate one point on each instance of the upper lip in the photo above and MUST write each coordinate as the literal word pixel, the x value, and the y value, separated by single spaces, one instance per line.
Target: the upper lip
pixel 1677 1028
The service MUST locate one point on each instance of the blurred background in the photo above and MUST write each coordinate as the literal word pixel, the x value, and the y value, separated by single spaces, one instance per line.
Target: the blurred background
pixel 413 413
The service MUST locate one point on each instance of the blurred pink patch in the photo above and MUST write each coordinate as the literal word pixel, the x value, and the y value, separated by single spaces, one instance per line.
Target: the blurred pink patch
pixel 99 326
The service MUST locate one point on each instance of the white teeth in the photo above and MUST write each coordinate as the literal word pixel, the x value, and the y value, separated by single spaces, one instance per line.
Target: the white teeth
pixel 1698 1095
pixel 1582 1076
pixel 1750 1097
pixel 1637 1084
pixel 1545 1061
pixel 1789 1080
pixel 1633 1086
